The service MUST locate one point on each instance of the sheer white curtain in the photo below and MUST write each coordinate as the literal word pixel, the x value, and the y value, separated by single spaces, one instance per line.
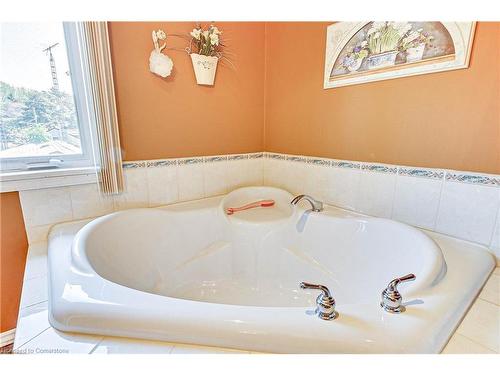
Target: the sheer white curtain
pixel 99 87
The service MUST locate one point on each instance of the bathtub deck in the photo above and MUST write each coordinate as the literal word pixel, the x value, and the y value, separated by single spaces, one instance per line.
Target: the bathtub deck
pixel 478 332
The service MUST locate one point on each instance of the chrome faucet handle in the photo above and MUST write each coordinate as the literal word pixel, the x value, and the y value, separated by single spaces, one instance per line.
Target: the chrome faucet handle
pixel 391 298
pixel 325 302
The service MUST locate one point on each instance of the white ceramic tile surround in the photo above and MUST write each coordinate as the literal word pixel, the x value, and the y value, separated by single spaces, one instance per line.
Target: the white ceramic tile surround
pixel 147 184
pixel 460 204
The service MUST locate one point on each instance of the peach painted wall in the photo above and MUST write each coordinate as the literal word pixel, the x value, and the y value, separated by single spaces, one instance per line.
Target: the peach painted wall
pixel 448 120
pixel 13 248
pixel 175 117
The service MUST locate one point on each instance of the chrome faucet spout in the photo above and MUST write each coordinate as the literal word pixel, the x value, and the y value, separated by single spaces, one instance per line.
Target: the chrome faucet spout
pixel 316 205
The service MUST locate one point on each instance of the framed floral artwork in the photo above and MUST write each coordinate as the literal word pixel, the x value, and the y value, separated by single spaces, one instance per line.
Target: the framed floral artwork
pixel 359 52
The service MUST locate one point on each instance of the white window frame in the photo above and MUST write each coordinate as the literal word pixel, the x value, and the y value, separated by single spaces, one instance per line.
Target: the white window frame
pixel 24 173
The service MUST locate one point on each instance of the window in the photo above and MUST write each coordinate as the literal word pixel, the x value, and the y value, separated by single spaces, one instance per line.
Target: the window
pixel 44 117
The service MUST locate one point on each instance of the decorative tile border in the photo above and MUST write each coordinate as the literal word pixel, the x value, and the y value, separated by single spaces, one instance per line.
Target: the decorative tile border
pixel 319 161
pixel 298 159
pixel 426 173
pixel 237 157
pixel 257 155
pixel 275 156
pixel 345 164
pixel 189 161
pixel 214 159
pixel 161 163
pixel 134 164
pixel 473 179
pixel 435 174
pixel 379 168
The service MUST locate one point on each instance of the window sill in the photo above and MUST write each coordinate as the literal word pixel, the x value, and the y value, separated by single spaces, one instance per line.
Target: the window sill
pixel 31 180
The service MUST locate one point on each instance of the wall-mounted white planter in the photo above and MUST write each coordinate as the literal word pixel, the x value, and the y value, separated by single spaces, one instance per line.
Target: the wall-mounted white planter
pixel 204 68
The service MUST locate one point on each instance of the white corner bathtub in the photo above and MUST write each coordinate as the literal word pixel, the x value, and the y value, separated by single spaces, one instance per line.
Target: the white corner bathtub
pixel 189 273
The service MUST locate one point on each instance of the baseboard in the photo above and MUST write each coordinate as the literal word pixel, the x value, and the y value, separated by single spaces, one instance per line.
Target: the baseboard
pixel 7 337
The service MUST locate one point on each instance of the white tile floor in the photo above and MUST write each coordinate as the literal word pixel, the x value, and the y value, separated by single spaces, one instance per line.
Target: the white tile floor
pixel 478 333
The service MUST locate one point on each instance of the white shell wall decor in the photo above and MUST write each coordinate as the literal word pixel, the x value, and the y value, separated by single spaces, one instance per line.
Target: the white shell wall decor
pixel 159 63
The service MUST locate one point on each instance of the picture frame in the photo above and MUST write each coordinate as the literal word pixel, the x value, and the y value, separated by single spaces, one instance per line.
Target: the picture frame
pixel 361 52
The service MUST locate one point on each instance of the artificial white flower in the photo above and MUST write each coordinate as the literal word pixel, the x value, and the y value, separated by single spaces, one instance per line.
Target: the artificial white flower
pixel 214 39
pixel 160 64
pixel 215 30
pixel 364 43
pixel 205 34
pixel 379 24
pixel 401 27
pixel 160 34
pixel 376 27
pixel 377 35
pixel 196 33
